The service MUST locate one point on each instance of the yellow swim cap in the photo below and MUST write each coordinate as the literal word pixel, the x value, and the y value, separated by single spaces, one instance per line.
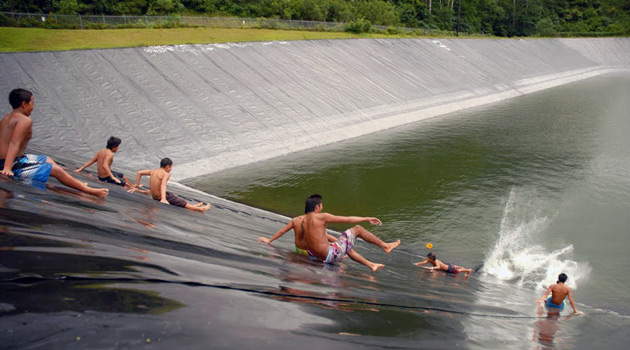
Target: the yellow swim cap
pixel 429 245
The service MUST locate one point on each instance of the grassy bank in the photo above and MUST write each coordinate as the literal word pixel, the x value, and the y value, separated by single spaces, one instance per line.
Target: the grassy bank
pixel 36 39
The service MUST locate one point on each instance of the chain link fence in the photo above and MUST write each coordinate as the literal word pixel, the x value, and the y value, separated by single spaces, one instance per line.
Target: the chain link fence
pixel 10 19
pixel 56 21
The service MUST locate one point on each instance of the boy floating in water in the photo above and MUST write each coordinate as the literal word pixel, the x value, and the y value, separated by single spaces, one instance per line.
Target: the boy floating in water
pixel 16 129
pixel 104 159
pixel 157 187
pixel 314 227
pixel 440 265
pixel 301 246
pixel 559 291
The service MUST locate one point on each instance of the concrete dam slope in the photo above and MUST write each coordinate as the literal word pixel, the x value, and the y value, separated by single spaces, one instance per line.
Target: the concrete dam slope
pixel 214 107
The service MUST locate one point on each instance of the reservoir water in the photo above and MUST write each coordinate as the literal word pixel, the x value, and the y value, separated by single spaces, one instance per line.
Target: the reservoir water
pixel 522 190
pixel 519 190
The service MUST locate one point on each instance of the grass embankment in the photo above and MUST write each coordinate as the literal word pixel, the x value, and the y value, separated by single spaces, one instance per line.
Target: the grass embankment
pixel 37 39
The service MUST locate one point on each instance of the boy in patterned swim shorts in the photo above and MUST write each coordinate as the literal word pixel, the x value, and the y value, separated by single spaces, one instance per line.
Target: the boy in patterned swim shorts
pixel 314 227
pixel 16 129
pixel 300 243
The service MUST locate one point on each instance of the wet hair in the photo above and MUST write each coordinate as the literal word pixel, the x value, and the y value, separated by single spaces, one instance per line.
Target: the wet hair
pixel 431 256
pixel 17 96
pixel 113 142
pixel 562 277
pixel 311 202
pixel 165 162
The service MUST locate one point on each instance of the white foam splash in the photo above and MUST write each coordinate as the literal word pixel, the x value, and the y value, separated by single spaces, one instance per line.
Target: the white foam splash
pixel 517 256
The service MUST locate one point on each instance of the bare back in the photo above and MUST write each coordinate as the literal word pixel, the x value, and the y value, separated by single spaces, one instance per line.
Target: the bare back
pixel 8 125
pixel 155 182
pixel 300 242
pixel 559 291
pixel 104 159
pixel 314 227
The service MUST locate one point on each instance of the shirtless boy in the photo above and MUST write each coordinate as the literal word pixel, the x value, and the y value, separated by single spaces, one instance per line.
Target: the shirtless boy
pixel 157 187
pixel 301 247
pixel 558 291
pixel 16 129
pixel 104 159
pixel 314 227
pixel 440 265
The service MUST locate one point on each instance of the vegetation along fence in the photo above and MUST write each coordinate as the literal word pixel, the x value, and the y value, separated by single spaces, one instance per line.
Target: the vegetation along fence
pixel 57 21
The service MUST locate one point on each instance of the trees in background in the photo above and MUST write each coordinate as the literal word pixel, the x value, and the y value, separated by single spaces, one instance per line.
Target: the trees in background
pixel 496 17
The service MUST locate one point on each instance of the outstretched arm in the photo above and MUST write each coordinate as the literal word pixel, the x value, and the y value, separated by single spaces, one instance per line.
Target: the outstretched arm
pixel 421 262
pixel 544 295
pixel 575 310
pixel 108 169
pixel 140 174
pixel 87 164
pixel 278 234
pixel 163 188
pixel 350 219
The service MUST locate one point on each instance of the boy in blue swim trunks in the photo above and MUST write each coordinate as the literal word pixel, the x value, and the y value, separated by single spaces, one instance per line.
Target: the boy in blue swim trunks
pixel 16 129
pixel 314 226
pixel 104 159
pixel 300 243
pixel 559 292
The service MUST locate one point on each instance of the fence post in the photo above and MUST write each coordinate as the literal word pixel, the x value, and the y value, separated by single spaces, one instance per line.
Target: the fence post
pixel 80 21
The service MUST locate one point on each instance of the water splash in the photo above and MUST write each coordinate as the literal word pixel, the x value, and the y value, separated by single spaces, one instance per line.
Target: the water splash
pixel 519 254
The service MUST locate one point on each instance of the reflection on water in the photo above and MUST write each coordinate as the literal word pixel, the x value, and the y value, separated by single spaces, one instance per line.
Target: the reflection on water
pixel 506 189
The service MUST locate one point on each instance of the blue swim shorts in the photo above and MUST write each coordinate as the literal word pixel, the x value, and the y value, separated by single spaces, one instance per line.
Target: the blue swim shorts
pixel 30 167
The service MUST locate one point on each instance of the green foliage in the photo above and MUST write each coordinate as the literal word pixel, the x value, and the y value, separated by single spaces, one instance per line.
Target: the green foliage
pixel 497 17
pixel 361 25
pixel 545 27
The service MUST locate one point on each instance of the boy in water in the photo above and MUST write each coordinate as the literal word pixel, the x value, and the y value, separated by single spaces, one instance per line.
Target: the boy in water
pixel 558 291
pixel 104 159
pixel 16 129
pixel 301 248
pixel 157 187
pixel 440 265
pixel 314 227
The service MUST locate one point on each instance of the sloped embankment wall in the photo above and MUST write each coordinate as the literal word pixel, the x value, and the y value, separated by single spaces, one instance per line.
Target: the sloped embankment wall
pixel 213 107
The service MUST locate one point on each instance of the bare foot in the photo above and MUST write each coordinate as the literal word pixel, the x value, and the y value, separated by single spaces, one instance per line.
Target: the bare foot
pixel 99 192
pixel 375 267
pixel 390 246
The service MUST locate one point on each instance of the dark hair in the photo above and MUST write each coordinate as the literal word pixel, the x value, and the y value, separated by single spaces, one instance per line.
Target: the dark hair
pixel 113 142
pixel 562 277
pixel 431 256
pixel 311 202
pixel 17 96
pixel 165 162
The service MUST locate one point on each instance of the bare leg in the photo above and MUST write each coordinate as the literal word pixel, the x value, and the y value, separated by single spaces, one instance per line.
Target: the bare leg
pixel 58 173
pixel 461 269
pixel 197 207
pixel 369 237
pixel 361 260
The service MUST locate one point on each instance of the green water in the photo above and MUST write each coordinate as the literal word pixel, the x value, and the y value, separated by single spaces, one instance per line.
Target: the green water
pixel 547 172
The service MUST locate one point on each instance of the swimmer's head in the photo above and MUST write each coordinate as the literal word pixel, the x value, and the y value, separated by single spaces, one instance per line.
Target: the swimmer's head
pixel 113 142
pixel 562 277
pixel 431 256
pixel 312 202
pixel 166 162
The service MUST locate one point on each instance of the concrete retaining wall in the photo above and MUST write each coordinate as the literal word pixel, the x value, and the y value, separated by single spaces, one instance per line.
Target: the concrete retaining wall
pixel 213 107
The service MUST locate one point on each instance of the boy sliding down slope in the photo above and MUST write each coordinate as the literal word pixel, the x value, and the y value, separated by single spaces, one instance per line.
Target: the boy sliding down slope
pixel 157 187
